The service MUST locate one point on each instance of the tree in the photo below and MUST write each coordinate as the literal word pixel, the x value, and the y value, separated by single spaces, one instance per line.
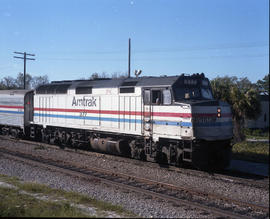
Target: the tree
pixel 39 80
pixel 263 85
pixel 20 81
pixel 105 75
pixel 243 97
pixel 98 75
pixel 245 84
pixel 31 82
pixel 119 75
pixel 8 83
pixel 94 76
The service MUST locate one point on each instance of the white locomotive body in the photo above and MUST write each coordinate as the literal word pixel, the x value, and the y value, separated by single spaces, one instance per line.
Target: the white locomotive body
pixel 170 119
pixel 113 112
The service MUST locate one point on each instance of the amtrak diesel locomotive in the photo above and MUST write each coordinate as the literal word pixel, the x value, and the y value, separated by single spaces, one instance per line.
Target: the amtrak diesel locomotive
pixel 163 119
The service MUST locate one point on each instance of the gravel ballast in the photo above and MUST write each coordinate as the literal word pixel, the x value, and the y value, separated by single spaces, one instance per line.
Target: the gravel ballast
pixel 133 202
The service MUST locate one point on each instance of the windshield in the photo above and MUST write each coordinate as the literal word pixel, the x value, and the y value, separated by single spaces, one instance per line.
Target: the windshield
pixel 206 93
pixel 188 93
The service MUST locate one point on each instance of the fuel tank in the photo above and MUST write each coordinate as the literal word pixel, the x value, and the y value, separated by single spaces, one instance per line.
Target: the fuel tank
pixel 108 145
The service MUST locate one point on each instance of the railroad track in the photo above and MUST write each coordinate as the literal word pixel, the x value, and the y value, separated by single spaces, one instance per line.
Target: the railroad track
pixel 178 195
pixel 235 177
pixel 227 176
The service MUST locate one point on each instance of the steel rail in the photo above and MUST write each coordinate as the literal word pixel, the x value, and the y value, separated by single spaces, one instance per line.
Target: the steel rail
pixel 226 178
pixel 84 173
pixel 191 191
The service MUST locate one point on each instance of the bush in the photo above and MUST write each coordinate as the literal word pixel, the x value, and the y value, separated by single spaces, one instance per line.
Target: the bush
pixel 256 132
pixel 247 131
pixel 251 151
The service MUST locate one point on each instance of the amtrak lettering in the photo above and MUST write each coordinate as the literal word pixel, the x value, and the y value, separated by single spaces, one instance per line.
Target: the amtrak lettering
pixel 84 101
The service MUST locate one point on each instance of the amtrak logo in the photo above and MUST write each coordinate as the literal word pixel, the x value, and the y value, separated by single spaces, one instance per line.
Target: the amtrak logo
pixel 84 101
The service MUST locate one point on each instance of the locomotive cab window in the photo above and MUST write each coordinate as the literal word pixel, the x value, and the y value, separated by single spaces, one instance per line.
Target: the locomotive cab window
pixel 167 97
pixel 146 97
pixel 156 97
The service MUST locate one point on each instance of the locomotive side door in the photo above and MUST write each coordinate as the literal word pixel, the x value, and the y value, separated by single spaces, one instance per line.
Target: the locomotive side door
pixel 28 107
pixel 147 116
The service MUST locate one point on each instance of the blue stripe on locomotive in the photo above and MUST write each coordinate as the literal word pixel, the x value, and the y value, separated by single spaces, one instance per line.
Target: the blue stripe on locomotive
pixel 158 122
pixel 14 112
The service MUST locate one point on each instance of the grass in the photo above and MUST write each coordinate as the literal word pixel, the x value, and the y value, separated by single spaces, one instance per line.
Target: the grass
pixel 10 179
pixel 15 204
pixel 75 197
pixel 257 137
pixel 251 151
pixel 256 133
pixel 39 147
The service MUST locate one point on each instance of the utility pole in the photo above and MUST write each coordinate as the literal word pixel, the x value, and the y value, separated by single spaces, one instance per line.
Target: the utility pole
pixel 129 57
pixel 24 61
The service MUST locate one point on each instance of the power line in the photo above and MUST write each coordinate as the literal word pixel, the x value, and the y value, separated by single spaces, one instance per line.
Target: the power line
pixel 24 61
pixel 156 58
pixel 175 49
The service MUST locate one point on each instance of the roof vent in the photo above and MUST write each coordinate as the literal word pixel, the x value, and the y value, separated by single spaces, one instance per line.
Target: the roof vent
pixel 129 83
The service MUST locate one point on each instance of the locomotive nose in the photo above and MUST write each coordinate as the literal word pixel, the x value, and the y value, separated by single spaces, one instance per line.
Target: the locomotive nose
pixel 212 121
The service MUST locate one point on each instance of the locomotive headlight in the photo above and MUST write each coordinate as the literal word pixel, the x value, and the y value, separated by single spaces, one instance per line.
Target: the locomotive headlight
pixel 218 112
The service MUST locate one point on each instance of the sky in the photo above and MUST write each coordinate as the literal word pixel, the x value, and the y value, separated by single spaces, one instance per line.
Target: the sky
pixel 72 39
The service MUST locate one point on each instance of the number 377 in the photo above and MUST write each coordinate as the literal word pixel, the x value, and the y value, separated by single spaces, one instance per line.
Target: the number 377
pixel 83 114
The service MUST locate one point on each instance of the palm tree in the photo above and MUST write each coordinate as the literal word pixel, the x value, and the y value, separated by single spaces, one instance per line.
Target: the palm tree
pixel 243 97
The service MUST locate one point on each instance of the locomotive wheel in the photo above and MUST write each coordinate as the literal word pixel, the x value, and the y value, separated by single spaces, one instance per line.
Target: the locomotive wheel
pixel 162 156
pixel 68 139
pixel 179 158
pixel 134 153
pixel 44 136
pixel 15 133
pixel 142 154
